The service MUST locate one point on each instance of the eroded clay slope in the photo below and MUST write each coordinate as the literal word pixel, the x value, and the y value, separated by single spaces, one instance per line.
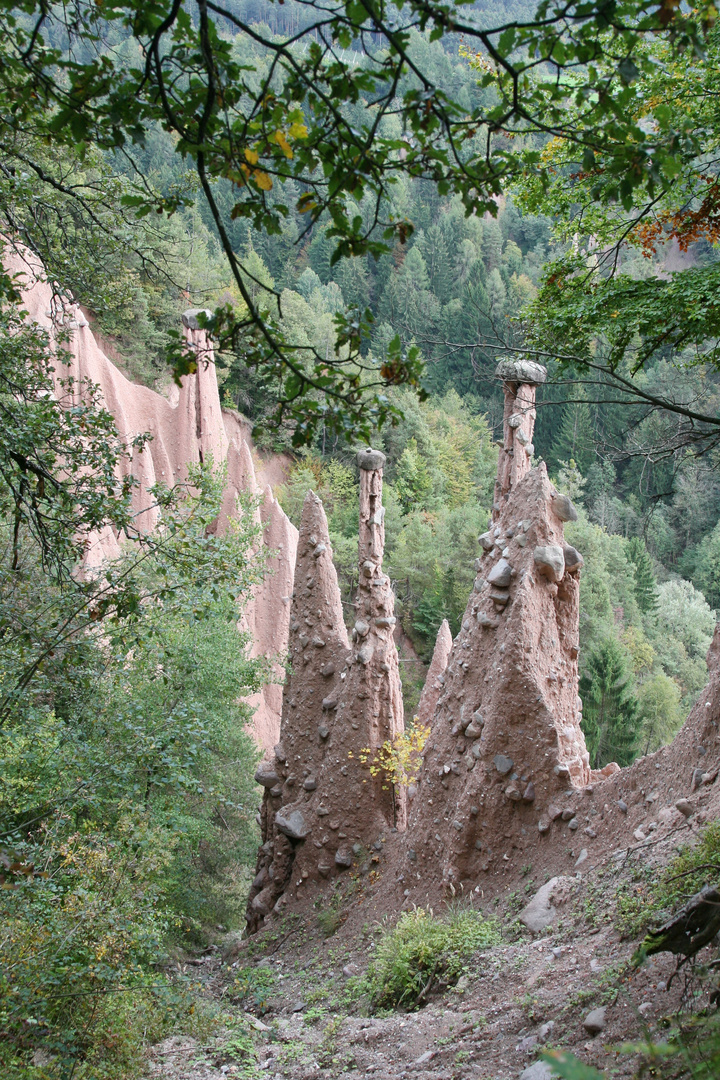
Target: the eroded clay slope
pixel 652 805
pixel 188 428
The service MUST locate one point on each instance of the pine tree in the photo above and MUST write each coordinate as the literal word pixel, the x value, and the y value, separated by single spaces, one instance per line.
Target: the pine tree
pixel 434 250
pixel 645 583
pixel 321 251
pixel 574 438
pixel 610 709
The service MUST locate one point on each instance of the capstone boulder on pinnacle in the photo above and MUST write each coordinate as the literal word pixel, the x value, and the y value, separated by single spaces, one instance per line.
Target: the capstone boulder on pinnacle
pixel 370 460
pixel 190 318
pixel 521 371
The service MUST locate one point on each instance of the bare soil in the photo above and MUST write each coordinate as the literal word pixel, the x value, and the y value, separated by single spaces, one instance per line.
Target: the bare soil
pixel 529 993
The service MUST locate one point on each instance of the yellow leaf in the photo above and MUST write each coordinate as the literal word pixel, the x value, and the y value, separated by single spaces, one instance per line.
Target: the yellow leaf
pixel 252 156
pixel 262 180
pixel 298 131
pixel 283 144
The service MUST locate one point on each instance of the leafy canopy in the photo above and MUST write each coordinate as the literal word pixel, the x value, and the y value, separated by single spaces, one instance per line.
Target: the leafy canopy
pixel 301 120
pixel 635 282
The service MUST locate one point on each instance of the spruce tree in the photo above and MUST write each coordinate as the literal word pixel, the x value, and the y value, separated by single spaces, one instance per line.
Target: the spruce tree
pixel 645 583
pixel 353 278
pixel 574 441
pixel 435 252
pixel 466 260
pixel 474 322
pixel 610 709
pixel 321 251
pixel 492 244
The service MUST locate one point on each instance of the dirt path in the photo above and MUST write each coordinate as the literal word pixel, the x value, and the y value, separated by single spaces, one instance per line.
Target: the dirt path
pixel 297 1011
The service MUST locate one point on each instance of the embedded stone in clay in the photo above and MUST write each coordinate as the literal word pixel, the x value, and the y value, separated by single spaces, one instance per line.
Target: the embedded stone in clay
pixel 573 559
pixel 550 561
pixel 266 775
pixel 564 508
pixel 501 574
pixel 292 824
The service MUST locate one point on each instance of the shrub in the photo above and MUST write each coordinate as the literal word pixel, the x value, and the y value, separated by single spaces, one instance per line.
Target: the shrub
pixel 654 897
pixel 423 953
pixel 697 1045
pixel 126 786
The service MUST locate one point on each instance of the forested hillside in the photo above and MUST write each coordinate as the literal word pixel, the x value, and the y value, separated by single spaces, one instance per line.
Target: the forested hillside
pixel 457 291
pixel 365 259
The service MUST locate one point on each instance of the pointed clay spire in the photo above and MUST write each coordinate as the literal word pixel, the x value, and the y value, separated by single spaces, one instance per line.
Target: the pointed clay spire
pixel 318 652
pixel 520 378
pixel 434 682
pixel 322 805
pixel 375 677
pixel 506 739
pixel 201 390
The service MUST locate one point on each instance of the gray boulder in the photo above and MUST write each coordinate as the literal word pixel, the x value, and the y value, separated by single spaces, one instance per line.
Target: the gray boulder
pixel 541 912
pixel 190 317
pixel 501 574
pixel 292 824
pixel 503 764
pixel 538 1071
pixel 521 371
pixel 266 774
pixel 563 508
pixel 594 1022
pixel 370 459
pixel 573 559
pixel 550 561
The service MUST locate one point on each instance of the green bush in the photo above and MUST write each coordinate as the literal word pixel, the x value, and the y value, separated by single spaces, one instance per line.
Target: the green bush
pixel 127 799
pixel 697 1046
pixel 423 953
pixel 654 896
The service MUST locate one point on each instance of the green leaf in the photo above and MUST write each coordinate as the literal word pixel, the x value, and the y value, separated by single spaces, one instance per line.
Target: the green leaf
pixel 569 1067
pixel 507 41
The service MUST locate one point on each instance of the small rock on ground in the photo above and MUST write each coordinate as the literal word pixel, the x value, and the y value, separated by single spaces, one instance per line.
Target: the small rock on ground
pixel 538 1071
pixel 594 1022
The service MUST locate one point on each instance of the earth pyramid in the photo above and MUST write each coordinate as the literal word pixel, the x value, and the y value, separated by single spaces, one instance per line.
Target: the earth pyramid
pixel 433 684
pixel 342 700
pixel 506 739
